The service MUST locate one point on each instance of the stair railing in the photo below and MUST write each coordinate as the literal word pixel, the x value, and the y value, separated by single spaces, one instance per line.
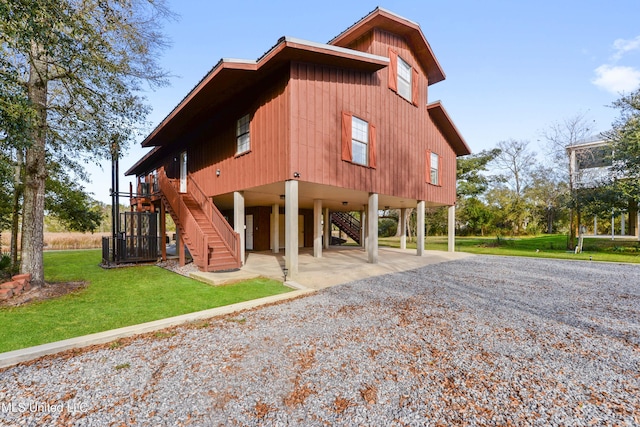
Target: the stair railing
pixel 229 237
pixel 348 224
pixel 186 222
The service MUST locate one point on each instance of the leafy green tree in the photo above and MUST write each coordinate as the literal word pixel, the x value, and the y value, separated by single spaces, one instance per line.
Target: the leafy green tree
pixel 625 140
pixel 547 195
pixel 70 77
pixel 472 177
pixel 474 216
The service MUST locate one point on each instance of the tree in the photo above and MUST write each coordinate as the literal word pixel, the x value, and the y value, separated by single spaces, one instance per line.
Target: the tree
pixel 515 158
pixel 71 73
pixel 625 140
pixel 558 137
pixel 547 193
pixel 472 179
pixel 517 161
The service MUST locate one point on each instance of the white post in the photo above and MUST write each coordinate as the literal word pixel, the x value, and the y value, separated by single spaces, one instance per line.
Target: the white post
pixel 327 228
pixel 364 230
pixel 622 225
pixel 403 228
pixel 291 227
pixel 372 229
pixel 613 223
pixel 317 228
pixel 420 228
pixel 595 225
pixel 275 228
pixel 238 220
pixel 451 241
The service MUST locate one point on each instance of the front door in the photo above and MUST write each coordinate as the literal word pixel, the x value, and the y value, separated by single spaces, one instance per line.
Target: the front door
pixel 248 236
pixel 183 172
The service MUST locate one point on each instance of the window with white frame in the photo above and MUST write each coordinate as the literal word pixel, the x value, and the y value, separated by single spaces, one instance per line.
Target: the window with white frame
pixel 243 142
pixel 434 164
pixel 359 141
pixel 404 79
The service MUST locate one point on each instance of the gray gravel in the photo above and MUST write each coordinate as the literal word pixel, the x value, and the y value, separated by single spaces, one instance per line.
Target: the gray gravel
pixel 480 341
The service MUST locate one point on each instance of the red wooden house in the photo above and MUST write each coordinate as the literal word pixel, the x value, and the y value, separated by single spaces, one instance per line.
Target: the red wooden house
pixel 260 151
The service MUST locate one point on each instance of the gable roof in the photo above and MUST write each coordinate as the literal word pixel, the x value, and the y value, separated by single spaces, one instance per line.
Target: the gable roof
pixel 389 21
pixel 442 120
pixel 230 76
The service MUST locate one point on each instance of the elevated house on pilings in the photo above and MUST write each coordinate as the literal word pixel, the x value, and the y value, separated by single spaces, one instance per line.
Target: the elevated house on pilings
pixel 267 154
pixel 590 166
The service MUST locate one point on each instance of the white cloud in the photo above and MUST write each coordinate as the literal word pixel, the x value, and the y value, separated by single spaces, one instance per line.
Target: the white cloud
pixel 623 46
pixel 617 79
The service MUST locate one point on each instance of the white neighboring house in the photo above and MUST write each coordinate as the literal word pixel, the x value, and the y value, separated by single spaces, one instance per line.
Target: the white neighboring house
pixel 590 164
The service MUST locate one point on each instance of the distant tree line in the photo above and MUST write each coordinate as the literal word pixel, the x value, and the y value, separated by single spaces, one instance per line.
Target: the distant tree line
pixel 510 191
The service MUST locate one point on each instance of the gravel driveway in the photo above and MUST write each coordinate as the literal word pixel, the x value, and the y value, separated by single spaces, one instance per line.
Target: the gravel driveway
pixel 479 341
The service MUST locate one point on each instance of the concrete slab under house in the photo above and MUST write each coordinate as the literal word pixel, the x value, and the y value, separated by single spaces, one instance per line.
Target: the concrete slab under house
pixel 268 155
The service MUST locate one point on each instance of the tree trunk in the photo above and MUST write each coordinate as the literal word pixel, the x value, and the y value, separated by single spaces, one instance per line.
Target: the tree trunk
pixel 35 174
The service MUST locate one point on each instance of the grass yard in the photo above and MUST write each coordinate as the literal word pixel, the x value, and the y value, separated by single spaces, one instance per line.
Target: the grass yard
pixel 545 246
pixel 114 298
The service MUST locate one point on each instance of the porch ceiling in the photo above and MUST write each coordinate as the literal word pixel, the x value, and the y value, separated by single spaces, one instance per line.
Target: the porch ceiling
pixel 332 198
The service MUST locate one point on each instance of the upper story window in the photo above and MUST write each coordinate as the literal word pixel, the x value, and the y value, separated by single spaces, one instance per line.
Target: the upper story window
pixel 434 168
pixel 359 141
pixel 404 79
pixel 243 141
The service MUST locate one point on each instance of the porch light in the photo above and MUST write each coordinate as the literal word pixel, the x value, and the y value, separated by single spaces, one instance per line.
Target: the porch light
pixel 344 203
pixel 296 174
pixel 217 172
pixel 282 197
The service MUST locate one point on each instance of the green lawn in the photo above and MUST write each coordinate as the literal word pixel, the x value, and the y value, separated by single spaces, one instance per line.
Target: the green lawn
pixel 114 298
pixel 545 246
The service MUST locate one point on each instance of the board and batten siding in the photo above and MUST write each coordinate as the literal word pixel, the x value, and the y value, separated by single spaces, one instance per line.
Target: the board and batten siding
pixel 265 163
pixel 405 132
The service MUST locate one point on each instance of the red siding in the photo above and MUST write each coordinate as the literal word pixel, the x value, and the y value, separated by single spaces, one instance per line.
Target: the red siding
pixel 265 163
pixel 320 95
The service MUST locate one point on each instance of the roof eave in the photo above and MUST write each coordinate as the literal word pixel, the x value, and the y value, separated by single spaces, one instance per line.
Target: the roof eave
pixel 442 120
pixel 389 21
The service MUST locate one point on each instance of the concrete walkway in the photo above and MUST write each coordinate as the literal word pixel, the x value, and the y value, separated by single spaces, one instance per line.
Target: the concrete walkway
pixel 338 265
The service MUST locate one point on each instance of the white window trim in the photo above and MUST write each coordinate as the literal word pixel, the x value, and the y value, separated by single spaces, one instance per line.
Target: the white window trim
pixel 434 172
pixel 358 141
pixel 405 85
pixel 243 135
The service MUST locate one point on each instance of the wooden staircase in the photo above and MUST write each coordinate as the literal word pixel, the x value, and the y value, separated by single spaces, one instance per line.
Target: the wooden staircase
pixel 212 242
pixel 348 224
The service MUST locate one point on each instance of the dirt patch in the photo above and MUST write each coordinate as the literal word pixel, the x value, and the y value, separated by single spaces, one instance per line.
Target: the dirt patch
pixel 47 291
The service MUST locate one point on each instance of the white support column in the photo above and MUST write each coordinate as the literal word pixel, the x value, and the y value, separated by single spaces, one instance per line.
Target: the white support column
pixel 623 226
pixel 403 228
pixel 275 229
pixel 291 227
pixel 364 234
pixel 420 228
pixel 317 228
pixel 595 225
pixel 451 241
pixel 613 225
pixel 372 229
pixel 327 228
pixel 238 219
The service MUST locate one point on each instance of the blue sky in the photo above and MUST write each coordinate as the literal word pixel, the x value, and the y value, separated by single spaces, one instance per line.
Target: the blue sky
pixel 512 67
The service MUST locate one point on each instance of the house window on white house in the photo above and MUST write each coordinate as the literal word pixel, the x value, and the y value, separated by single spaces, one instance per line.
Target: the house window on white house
pixel 434 164
pixel 243 142
pixel 359 141
pixel 404 79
